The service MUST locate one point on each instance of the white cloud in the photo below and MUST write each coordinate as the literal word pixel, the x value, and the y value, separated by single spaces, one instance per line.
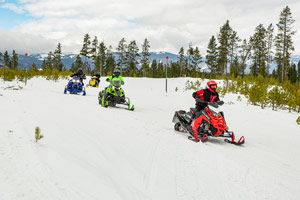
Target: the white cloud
pixel 24 43
pixel 12 7
pixel 167 24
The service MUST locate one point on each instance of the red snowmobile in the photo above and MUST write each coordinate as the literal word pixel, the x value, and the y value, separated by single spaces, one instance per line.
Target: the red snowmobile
pixel 211 124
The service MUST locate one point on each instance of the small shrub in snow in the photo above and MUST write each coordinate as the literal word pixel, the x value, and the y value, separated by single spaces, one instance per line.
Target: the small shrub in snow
pixel 38 134
pixel 190 85
pixel 176 89
pixel 8 74
pixel 297 100
pixel 258 92
pixel 298 120
pixel 222 91
pixel 239 98
pixel 275 97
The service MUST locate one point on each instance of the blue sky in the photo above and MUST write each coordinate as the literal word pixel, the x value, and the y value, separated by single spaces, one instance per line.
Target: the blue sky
pixel 10 18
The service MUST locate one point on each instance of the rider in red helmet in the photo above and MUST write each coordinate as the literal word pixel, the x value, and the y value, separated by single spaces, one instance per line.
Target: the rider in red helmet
pixel 209 94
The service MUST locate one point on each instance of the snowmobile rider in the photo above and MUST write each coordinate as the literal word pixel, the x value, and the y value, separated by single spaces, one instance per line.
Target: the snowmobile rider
pixel 116 77
pixel 97 78
pixel 80 75
pixel 209 94
pixel 113 80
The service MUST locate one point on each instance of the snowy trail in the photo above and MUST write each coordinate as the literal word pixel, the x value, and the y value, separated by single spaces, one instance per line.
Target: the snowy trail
pixel 90 152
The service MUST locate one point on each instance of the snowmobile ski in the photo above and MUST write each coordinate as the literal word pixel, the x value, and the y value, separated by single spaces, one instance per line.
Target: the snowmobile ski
pixel 203 139
pixel 239 142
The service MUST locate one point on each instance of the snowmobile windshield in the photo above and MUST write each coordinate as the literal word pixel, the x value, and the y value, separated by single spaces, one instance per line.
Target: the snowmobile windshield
pixel 214 110
pixel 75 80
pixel 116 83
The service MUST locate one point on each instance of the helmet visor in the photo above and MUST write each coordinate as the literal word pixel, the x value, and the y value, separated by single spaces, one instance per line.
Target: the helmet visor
pixel 213 86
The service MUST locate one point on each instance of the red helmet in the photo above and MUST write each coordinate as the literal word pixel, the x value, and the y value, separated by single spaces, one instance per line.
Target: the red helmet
pixel 212 85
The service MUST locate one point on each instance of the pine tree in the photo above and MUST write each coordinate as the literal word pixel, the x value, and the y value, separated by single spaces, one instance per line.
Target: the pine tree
pixel 154 68
pixel 189 53
pixel 14 61
pixel 109 62
pixel 44 65
pixel 212 55
pixel 121 53
pixel 6 59
pixel 181 60
pixel 132 58
pixel 93 53
pixel 234 67
pixel 297 102
pixel 275 97
pixel 196 60
pixel 258 92
pixel 1 64
pixel 299 71
pixel 233 46
pixel 34 67
pixel 49 60
pixel 283 41
pixel 160 70
pixel 85 51
pixel 57 64
pixel 33 70
pixel 292 73
pixel 145 57
pixel 102 56
pixel 77 64
pixel 174 70
pixel 245 53
pixel 224 47
pixel 259 51
pixel 269 40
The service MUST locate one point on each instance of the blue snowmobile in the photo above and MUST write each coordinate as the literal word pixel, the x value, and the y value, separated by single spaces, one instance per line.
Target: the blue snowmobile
pixel 75 86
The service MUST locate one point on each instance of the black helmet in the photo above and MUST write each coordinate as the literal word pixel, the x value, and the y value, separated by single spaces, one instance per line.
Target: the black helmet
pixel 117 72
pixel 80 71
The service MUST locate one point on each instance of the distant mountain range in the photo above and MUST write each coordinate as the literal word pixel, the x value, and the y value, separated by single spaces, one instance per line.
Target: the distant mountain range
pixel 68 59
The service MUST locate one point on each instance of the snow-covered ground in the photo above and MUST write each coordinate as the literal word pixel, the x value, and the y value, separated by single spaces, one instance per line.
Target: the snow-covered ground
pixel 90 152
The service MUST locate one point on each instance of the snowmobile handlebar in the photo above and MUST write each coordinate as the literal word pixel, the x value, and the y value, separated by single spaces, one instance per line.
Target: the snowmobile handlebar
pixel 215 104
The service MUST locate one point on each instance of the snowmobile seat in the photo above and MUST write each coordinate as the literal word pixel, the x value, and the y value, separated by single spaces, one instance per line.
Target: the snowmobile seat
pixel 189 116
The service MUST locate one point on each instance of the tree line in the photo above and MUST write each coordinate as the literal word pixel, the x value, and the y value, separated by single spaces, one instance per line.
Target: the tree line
pixel 224 51
pixel 262 48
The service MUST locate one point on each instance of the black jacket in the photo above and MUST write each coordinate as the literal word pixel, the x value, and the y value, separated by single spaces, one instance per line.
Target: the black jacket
pixel 81 76
pixel 207 95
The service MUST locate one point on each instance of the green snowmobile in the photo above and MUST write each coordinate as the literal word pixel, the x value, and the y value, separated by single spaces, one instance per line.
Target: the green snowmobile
pixel 114 94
